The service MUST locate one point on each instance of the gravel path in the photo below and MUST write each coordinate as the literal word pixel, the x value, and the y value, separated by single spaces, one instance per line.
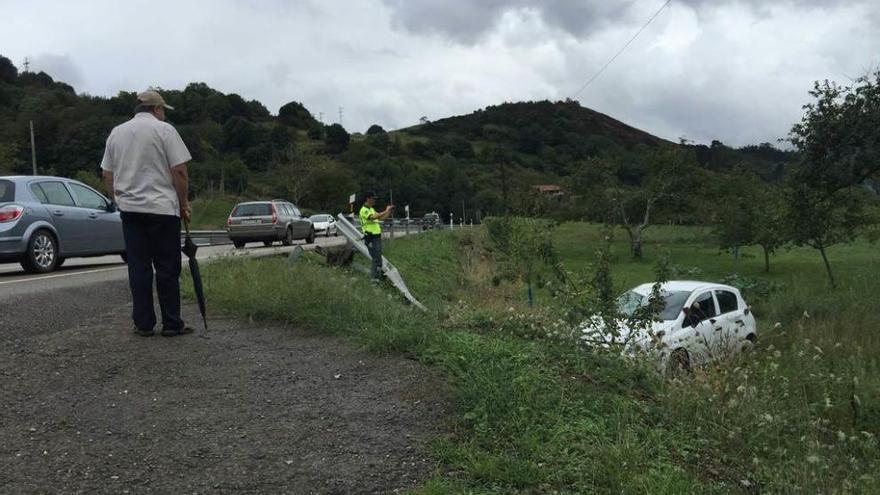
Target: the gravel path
pixel 88 407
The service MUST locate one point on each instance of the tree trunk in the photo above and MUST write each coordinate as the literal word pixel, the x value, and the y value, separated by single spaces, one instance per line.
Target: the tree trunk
pixel 827 266
pixel 766 260
pixel 636 245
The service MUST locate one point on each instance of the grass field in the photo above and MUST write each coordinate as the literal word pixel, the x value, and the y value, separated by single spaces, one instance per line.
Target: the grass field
pixel 537 414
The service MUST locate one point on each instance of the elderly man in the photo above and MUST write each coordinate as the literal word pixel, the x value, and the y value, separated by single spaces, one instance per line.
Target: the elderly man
pixel 144 168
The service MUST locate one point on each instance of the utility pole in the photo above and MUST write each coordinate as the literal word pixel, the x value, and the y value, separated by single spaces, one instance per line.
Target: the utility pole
pixel 27 65
pixel 340 116
pixel 33 147
pixel 504 186
pixel 321 117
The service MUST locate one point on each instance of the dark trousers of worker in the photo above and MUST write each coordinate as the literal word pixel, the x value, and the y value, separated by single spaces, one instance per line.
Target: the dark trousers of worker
pixel 153 242
pixel 374 244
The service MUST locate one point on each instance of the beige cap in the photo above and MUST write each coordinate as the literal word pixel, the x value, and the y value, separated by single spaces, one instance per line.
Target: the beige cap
pixel 152 98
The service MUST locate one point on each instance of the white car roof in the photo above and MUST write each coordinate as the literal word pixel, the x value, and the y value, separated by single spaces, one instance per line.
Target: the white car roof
pixel 682 285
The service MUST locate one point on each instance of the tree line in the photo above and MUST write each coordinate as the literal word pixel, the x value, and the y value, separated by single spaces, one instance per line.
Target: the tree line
pixel 819 192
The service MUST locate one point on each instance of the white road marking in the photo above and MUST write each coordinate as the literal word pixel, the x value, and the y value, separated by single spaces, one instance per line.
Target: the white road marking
pixel 58 275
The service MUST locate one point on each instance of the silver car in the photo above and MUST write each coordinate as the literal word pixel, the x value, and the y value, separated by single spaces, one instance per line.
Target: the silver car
pixel 44 220
pixel 267 222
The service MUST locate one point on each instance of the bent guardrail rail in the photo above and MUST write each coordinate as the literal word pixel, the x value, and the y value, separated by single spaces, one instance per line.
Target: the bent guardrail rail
pixel 208 237
pixel 355 237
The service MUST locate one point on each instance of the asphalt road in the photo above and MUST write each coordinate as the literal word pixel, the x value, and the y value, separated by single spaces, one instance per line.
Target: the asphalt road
pixel 80 272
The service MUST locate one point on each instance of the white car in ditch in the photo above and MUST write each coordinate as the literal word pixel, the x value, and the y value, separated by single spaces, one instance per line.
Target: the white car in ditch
pixel 700 322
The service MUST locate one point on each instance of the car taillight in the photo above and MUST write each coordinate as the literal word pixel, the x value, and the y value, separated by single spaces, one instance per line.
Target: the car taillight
pixel 229 221
pixel 274 214
pixel 9 213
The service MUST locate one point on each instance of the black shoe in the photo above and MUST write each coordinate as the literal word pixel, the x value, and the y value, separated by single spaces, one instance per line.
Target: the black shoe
pixel 144 332
pixel 167 332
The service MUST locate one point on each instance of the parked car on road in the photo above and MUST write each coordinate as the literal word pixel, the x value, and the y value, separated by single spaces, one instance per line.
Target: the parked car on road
pixel 267 222
pixel 45 220
pixel 700 322
pixel 324 224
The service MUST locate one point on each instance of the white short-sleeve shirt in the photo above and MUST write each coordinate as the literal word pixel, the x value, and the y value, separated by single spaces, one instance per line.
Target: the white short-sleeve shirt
pixel 141 154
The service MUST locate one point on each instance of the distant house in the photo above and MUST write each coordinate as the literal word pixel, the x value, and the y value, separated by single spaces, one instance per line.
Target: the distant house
pixel 550 190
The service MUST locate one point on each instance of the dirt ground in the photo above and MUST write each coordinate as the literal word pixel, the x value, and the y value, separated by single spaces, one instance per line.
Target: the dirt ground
pixel 88 407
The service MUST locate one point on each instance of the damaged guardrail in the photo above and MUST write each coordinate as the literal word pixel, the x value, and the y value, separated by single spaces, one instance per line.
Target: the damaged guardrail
pixel 355 238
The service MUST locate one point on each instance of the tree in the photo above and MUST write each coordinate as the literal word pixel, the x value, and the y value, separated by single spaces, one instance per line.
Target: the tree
pixel 8 71
pixel 337 139
pixel 666 172
pixel 239 134
pixel 295 115
pixel 375 129
pixel 839 141
pixel 749 212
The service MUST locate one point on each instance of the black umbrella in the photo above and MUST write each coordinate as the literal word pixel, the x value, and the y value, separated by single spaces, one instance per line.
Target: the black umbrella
pixel 189 248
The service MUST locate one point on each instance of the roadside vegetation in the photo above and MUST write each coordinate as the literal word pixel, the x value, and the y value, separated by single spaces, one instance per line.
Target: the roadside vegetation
pixel 533 412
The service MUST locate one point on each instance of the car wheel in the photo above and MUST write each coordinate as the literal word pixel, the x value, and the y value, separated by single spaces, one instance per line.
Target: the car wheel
pixel 679 362
pixel 288 237
pixel 238 244
pixel 311 238
pixel 268 243
pixel 748 344
pixel 42 253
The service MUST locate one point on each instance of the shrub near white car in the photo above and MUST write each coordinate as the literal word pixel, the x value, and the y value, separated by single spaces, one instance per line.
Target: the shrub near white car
pixel 700 322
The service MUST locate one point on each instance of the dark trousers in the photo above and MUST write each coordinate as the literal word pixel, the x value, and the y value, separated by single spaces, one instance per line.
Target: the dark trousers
pixel 153 241
pixel 374 244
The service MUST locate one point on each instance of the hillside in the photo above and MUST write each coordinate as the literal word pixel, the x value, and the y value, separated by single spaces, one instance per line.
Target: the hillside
pixel 470 165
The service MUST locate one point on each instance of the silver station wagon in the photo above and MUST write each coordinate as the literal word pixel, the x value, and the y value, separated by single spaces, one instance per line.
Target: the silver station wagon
pixel 45 220
pixel 267 222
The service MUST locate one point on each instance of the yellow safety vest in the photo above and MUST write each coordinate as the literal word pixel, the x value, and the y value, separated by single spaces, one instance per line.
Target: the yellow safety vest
pixel 369 225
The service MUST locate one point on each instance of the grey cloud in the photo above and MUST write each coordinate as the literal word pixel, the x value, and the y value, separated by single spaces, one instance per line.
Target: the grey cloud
pixel 60 67
pixel 466 21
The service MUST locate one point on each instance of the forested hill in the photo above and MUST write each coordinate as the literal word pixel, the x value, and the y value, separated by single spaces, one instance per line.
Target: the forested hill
pixel 483 162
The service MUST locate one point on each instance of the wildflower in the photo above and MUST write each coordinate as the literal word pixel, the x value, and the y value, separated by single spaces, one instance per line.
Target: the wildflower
pixel 741 389
pixel 767 417
pixel 777 354
pixel 827 402
pixel 841 436
pixel 813 459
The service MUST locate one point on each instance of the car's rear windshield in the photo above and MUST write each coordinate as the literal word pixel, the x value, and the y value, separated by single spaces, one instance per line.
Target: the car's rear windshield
pixel 630 301
pixel 252 210
pixel 320 218
pixel 7 191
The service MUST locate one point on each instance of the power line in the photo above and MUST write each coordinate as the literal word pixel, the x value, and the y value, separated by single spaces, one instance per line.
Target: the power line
pixel 597 74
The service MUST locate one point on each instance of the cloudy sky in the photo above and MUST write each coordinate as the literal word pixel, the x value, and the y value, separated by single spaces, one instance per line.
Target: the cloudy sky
pixel 733 70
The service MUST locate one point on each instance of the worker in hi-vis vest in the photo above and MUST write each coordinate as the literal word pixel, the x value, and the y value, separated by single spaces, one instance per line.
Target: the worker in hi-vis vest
pixel 373 230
